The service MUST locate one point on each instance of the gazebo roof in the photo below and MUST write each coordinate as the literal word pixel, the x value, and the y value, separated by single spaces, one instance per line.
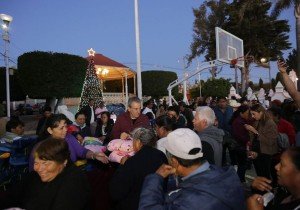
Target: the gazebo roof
pixel 108 69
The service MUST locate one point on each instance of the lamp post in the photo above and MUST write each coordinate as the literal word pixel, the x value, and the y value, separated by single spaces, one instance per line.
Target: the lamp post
pixel 266 64
pixel 6 19
pixel 138 50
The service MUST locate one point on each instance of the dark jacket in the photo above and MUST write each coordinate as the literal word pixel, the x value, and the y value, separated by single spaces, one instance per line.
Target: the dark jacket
pixel 214 136
pixel 88 113
pixel 124 123
pixel 240 133
pixel 214 189
pixel 188 114
pixel 68 190
pixel 107 130
pixel 83 131
pixel 126 184
pixel 224 118
pixel 41 126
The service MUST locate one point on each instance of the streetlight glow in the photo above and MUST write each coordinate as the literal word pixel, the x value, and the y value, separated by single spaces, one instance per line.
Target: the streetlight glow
pixel 263 60
pixel 6 19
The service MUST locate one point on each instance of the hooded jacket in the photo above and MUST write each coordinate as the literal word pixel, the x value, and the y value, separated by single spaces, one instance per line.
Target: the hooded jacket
pixel 216 188
pixel 214 136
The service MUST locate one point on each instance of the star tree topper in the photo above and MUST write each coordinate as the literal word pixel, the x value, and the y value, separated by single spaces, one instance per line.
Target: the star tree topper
pixel 91 52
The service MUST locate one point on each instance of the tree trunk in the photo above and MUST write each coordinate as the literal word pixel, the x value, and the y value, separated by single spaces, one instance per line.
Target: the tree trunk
pixel 245 77
pixel 242 79
pixel 51 102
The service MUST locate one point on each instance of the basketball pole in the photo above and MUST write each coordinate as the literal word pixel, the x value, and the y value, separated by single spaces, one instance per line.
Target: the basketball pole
pixel 236 79
pixel 204 66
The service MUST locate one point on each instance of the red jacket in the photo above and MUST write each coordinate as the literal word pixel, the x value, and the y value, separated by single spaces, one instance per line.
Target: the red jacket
pixel 286 127
pixel 124 123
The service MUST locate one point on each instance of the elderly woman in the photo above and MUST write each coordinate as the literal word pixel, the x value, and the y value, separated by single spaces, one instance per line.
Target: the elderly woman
pixel 288 173
pixel 126 184
pixel 55 183
pixel 264 141
pixel 56 127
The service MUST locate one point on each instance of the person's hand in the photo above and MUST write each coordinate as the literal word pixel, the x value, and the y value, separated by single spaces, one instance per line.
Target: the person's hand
pixel 262 184
pixel 101 138
pixel 165 170
pixel 255 202
pixel 101 157
pixel 250 128
pixel 123 159
pixel 124 136
pixel 252 154
pixel 282 67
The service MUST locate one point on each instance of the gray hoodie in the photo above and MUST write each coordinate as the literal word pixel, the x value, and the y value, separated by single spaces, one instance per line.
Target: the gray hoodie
pixel 214 136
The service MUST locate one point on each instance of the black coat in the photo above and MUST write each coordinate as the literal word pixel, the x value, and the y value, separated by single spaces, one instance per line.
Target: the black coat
pixel 108 129
pixel 69 190
pixel 88 113
pixel 126 184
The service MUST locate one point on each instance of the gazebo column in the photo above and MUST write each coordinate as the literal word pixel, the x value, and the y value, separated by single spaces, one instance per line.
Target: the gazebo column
pixel 134 88
pixel 126 88
pixel 123 90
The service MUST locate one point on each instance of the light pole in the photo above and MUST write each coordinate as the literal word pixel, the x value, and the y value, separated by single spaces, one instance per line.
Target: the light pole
pixel 138 50
pixel 266 64
pixel 6 19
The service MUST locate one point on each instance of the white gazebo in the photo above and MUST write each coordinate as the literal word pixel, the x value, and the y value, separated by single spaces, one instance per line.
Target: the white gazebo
pixel 107 70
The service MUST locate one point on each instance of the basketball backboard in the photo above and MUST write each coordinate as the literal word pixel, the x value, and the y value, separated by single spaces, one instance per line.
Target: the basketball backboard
pixel 229 47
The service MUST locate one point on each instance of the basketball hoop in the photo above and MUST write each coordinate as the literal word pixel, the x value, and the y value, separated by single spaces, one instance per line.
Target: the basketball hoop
pixel 233 63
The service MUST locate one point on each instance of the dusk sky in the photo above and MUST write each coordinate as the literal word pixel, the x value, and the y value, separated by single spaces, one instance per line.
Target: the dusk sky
pixel 74 26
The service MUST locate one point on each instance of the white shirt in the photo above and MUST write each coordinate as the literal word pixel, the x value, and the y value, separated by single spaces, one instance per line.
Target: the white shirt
pixel 146 110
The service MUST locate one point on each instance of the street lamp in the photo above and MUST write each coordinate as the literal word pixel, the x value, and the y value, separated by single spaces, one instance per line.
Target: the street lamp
pixel 138 50
pixel 6 19
pixel 266 64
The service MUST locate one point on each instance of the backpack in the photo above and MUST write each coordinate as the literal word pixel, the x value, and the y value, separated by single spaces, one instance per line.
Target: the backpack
pixel 283 141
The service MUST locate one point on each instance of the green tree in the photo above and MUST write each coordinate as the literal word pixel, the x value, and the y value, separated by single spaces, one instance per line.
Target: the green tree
pixel 292 60
pixel 278 78
pixel 209 15
pixel 251 85
pixel 261 83
pixel 213 87
pixel 274 83
pixel 263 35
pixel 116 86
pixel 281 5
pixel 91 87
pixel 155 83
pixel 51 75
pixel 16 91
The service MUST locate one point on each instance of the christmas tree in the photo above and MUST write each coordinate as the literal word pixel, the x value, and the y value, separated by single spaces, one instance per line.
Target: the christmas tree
pixel 91 86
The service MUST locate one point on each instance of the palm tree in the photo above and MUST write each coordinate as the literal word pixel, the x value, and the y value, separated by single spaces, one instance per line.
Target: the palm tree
pixel 281 5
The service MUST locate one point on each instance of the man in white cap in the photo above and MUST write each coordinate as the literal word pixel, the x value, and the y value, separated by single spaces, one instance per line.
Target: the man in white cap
pixel 203 186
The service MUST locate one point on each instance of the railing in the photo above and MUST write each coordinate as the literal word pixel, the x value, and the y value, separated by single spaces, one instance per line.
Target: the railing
pixel 108 98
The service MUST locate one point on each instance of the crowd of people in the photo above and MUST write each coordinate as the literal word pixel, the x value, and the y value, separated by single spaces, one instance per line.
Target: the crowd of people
pixel 185 157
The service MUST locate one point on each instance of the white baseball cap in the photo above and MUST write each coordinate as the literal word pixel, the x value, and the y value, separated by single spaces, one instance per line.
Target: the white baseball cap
pixel 181 141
